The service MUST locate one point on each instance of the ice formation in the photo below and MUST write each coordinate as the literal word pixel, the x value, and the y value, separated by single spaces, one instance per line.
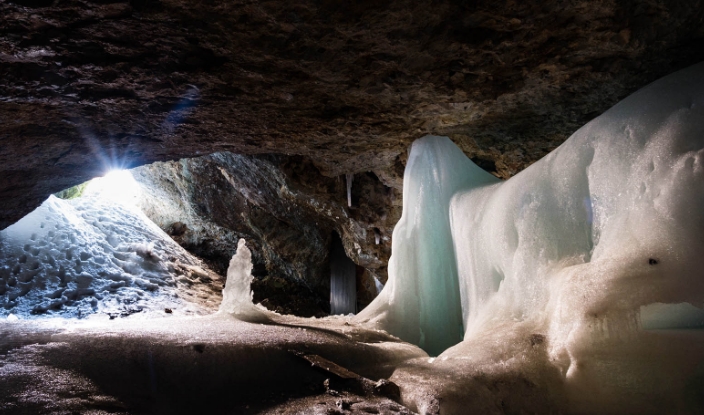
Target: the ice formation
pixel 421 300
pixel 607 223
pixel 94 255
pixel 573 248
pixel 343 284
pixel 378 285
pixel 349 177
pixel 237 295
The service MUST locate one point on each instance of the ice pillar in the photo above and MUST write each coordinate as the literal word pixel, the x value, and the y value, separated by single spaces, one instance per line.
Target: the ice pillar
pixel 237 295
pixel 421 301
pixel 343 284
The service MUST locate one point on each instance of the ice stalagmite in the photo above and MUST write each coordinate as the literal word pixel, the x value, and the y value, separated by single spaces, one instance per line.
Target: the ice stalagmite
pixel 237 295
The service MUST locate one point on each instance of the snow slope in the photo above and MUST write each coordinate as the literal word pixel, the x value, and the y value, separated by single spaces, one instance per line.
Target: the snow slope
pixel 96 255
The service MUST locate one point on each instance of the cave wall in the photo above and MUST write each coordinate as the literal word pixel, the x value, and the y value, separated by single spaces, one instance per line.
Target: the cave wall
pixel 87 84
pixel 286 210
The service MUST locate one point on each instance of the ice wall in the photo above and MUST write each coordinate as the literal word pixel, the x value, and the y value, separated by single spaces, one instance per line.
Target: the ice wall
pixel 577 243
pixel 607 223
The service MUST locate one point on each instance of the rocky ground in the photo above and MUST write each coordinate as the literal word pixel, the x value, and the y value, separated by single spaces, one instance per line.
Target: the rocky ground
pixel 215 365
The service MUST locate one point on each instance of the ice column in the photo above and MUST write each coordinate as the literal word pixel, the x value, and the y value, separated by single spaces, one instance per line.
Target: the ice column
pixel 421 300
pixel 343 287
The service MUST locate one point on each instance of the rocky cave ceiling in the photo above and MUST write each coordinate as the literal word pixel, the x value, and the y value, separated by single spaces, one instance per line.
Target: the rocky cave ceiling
pixel 346 84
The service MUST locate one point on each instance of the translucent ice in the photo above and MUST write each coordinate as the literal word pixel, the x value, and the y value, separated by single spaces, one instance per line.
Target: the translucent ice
pixel 576 244
pixel 343 284
pixel 421 301
pixel 349 177
pixel 557 274
pixel 237 295
pixel 238 292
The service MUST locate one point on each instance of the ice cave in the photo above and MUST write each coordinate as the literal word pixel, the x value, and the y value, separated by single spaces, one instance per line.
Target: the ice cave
pixel 579 278
pixel 337 208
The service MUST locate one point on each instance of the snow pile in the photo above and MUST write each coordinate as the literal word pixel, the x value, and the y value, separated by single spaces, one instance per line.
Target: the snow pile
pixel 93 255
pixel 580 251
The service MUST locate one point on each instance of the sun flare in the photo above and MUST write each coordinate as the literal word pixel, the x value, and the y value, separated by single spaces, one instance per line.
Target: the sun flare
pixel 117 185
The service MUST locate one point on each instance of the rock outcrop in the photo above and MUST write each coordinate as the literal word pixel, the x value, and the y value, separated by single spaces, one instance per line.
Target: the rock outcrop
pixel 286 210
pixel 86 85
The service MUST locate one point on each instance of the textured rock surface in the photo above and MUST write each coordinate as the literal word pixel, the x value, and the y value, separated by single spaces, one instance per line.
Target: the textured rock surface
pixel 286 210
pixel 86 84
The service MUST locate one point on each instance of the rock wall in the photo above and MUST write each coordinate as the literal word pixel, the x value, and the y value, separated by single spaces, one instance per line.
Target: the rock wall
pixel 286 210
pixel 86 85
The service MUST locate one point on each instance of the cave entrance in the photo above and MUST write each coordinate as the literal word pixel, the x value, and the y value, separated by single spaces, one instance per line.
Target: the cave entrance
pixel 121 244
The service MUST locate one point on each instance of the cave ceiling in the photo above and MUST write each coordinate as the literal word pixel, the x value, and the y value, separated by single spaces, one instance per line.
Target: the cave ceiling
pixel 349 84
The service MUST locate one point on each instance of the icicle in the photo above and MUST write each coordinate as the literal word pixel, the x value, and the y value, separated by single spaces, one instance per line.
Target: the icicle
pixel 350 177
pixel 377 236
pixel 378 285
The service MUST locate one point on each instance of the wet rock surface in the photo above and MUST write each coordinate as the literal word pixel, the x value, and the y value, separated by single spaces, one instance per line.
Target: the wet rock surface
pixel 90 84
pixel 172 365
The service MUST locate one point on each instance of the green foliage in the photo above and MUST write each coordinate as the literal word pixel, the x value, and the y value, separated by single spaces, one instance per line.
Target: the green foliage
pixel 72 192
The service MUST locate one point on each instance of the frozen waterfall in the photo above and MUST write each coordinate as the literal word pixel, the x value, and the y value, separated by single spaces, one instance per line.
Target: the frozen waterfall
pixel 343 283
pixel 421 301
pixel 609 222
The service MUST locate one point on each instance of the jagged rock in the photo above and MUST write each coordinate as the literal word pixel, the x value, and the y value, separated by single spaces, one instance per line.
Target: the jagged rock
pixel 286 210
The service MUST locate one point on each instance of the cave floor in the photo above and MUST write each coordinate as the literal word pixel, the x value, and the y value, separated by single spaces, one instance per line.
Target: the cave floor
pixel 218 364
pixel 175 365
